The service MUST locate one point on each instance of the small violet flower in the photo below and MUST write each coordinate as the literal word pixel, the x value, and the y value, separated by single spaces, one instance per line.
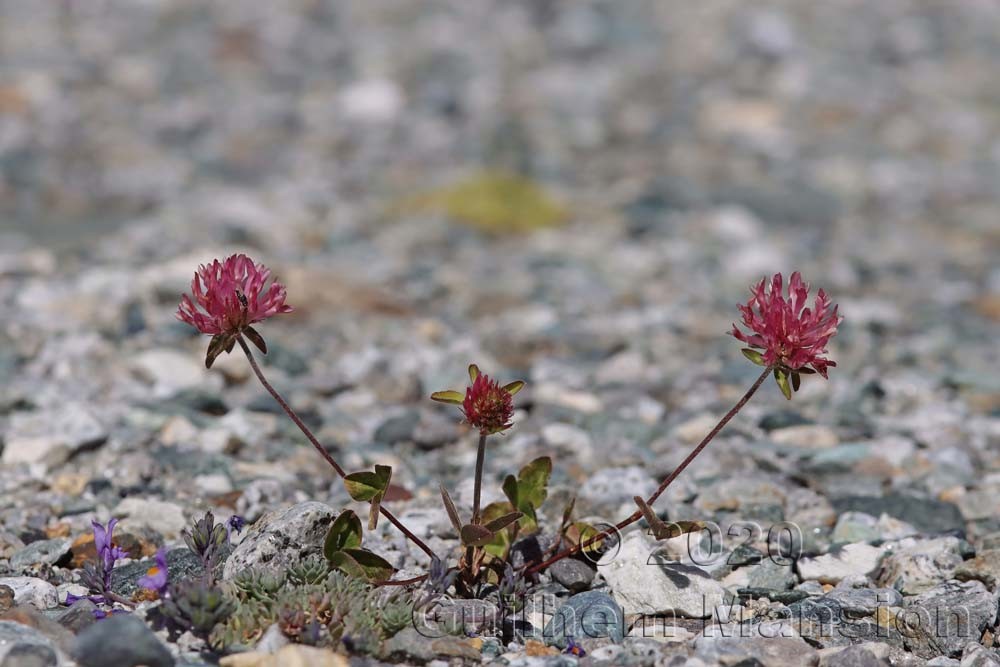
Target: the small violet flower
pixel 792 336
pixel 572 648
pixel 235 524
pixel 107 553
pixel 155 578
pixel 486 405
pixel 229 296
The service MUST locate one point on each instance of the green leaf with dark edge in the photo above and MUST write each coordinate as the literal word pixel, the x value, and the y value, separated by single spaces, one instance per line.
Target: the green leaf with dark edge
pixel 510 489
pixel 782 379
pixel 363 564
pixel 345 533
pixel 366 485
pixel 474 535
pixel 473 372
pixel 514 387
pixel 502 522
pixel 255 338
pixel 216 346
pixel 533 481
pixel 500 544
pixel 754 356
pixel 453 397
pixel 452 511
pixel 581 531
pixel 796 381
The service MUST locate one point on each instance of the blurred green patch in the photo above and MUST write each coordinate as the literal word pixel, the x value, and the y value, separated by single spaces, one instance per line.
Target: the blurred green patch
pixel 495 202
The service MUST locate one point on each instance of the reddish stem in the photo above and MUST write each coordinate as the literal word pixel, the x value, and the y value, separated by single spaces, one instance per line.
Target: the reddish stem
pixel 319 447
pixel 635 516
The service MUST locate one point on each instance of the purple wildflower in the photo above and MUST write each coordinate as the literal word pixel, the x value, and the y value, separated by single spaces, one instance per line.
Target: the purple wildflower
pixel 155 578
pixel 235 524
pixel 107 553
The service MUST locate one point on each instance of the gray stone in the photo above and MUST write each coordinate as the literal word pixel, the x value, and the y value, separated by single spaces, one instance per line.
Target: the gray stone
pixel 31 590
pixel 913 566
pixel 15 640
pixel 42 552
pixel 30 655
pixel 864 601
pixel 281 538
pixel 644 582
pixel 79 616
pixel 399 428
pixel 587 615
pixel 944 619
pixel 844 561
pixel 985 567
pixel 574 574
pixel 927 514
pixel 121 640
pixel 164 517
pixel 51 435
pixel 977 655
pixel 852 656
pixel 769 643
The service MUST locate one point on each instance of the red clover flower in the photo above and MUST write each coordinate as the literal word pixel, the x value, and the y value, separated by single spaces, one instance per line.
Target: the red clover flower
pixel 230 296
pixel 486 405
pixel 792 336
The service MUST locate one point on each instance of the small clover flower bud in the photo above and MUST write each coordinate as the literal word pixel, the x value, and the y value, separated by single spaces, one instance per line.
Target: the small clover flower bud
pixel 486 405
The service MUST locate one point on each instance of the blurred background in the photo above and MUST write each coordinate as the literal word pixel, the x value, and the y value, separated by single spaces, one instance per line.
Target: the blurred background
pixel 576 192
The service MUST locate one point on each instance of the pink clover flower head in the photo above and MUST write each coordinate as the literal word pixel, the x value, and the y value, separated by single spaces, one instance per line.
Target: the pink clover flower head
pixel 228 297
pixel 486 405
pixel 792 337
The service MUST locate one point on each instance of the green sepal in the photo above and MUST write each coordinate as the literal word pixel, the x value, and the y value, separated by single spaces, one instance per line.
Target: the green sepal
pixel 514 387
pixel 473 372
pixel 344 533
pixel 220 343
pixel 754 356
pixel 781 377
pixel 255 338
pixel 796 381
pixel 363 564
pixel 453 397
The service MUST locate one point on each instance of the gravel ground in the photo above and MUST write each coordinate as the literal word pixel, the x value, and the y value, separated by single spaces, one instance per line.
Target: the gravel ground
pixel 668 154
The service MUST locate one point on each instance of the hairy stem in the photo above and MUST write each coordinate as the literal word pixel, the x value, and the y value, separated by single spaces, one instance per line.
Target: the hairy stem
pixel 635 516
pixel 319 447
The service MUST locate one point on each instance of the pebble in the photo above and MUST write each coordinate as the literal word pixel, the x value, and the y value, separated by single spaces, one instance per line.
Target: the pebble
pixel 20 644
pixel 944 619
pixel 293 655
pixel 574 574
pixel 769 644
pixel 643 583
pixel 282 538
pixel 587 615
pixel 850 559
pixel 120 640
pixel 31 590
pixel 164 517
pixel 42 552
pixel 51 435
pixel 915 565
